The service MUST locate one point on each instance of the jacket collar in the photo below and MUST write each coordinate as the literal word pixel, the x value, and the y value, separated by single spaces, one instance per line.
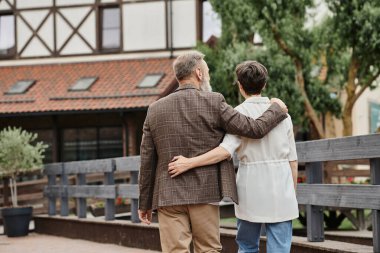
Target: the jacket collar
pixel 187 86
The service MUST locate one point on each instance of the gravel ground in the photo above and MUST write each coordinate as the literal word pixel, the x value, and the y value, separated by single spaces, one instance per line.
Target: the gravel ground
pixel 38 243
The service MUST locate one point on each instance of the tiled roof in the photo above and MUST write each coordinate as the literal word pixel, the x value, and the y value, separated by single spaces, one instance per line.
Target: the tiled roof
pixel 116 87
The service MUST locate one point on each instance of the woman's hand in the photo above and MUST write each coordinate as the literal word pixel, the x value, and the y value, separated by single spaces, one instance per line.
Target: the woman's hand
pixel 179 165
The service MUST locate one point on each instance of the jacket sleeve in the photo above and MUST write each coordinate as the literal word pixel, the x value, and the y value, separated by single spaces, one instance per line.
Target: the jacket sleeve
pixel 147 173
pixel 236 123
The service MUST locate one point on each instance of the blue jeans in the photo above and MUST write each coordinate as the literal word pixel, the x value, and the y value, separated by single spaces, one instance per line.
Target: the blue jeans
pixel 279 236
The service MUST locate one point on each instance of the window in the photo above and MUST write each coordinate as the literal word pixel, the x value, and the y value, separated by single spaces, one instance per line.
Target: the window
pixel 91 143
pixel 7 35
pixel 79 144
pixel 83 84
pixel 110 28
pixel 21 87
pixel 110 142
pixel 150 80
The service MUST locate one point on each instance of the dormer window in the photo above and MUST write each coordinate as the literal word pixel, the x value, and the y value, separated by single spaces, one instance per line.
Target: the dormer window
pixel 110 25
pixel 20 87
pixel 7 36
pixel 83 84
pixel 150 80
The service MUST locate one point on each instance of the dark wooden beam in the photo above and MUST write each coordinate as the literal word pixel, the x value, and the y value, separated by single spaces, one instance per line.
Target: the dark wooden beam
pixel 347 148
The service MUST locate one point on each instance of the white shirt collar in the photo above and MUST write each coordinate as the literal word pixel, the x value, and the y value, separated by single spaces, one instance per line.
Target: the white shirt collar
pixel 258 100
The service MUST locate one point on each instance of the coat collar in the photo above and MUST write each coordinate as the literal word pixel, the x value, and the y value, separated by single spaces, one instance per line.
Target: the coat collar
pixel 187 86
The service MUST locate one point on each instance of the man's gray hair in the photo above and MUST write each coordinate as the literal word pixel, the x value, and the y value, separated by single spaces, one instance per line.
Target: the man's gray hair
pixel 186 63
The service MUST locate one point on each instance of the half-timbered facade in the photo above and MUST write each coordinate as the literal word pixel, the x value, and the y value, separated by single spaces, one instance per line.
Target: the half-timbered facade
pixel 56 28
pixel 82 73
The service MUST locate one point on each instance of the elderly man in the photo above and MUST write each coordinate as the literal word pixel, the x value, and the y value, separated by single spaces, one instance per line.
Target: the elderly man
pixel 192 121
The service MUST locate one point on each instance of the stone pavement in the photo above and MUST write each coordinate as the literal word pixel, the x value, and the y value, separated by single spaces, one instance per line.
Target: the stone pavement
pixel 38 243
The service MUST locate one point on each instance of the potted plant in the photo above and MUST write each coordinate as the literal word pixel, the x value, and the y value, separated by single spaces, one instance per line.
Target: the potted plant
pixel 19 153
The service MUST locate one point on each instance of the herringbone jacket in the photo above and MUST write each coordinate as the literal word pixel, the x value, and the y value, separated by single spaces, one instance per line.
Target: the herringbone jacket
pixel 190 122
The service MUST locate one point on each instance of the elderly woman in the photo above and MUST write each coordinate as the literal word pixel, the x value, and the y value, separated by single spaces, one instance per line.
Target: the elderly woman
pixel 267 175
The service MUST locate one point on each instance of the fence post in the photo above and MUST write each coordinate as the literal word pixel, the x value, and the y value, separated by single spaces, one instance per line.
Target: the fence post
pixel 81 202
pixel 361 219
pixel 52 180
pixel 64 197
pixel 110 203
pixel 314 214
pixel 134 202
pixel 375 180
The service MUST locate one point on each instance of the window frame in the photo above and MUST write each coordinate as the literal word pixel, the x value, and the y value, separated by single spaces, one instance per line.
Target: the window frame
pixel 11 52
pixel 161 76
pixel 100 28
pixel 74 89
pixel 24 91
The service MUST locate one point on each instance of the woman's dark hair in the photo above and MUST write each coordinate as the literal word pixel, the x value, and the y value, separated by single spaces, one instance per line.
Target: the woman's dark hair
pixel 252 76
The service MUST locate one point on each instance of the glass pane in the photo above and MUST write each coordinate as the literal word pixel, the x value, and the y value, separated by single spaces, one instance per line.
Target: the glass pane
pixel 87 143
pixel 83 83
pixel 7 33
pixel 110 142
pixel 111 18
pixel 79 144
pixel 150 80
pixel 111 38
pixel 21 87
pixel 69 149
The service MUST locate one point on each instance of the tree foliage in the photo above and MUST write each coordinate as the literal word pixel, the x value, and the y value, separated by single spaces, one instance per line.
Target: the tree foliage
pixel 18 153
pixel 345 44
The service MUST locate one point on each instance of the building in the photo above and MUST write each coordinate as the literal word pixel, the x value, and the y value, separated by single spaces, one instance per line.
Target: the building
pixel 81 73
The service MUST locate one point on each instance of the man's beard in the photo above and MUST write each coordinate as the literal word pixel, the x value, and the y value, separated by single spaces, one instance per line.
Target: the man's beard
pixel 205 86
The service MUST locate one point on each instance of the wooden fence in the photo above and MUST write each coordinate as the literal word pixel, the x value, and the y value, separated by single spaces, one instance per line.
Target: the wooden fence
pixel 30 193
pixel 109 191
pixel 314 194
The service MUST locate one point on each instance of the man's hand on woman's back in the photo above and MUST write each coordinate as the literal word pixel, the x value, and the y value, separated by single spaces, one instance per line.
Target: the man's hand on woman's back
pixel 280 103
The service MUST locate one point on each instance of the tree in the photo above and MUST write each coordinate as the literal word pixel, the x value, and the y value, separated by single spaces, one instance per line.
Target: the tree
pixel 18 154
pixel 346 44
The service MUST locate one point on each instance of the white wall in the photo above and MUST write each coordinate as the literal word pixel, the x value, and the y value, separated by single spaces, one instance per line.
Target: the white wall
pixel 144 26
pixel 4 6
pixel 184 23
pixel 76 45
pixel 33 3
pixel 361 111
pixel 35 47
pixel 72 2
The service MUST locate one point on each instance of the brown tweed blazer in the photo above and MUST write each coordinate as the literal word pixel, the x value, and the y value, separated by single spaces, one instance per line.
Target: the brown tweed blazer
pixel 190 122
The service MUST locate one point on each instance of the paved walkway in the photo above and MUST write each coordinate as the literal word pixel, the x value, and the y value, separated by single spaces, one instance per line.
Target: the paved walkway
pixel 38 243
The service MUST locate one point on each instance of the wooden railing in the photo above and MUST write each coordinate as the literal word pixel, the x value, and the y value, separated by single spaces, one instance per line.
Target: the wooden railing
pixel 109 191
pixel 314 194
pixel 30 193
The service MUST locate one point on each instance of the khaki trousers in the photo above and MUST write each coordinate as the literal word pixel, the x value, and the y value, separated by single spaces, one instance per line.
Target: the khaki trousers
pixel 179 225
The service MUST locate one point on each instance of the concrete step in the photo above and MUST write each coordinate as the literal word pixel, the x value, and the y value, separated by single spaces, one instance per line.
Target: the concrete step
pixel 147 237
pixel 363 237
pixel 301 245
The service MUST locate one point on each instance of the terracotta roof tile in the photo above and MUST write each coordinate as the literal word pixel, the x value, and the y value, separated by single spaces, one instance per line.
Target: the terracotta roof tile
pixel 116 87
